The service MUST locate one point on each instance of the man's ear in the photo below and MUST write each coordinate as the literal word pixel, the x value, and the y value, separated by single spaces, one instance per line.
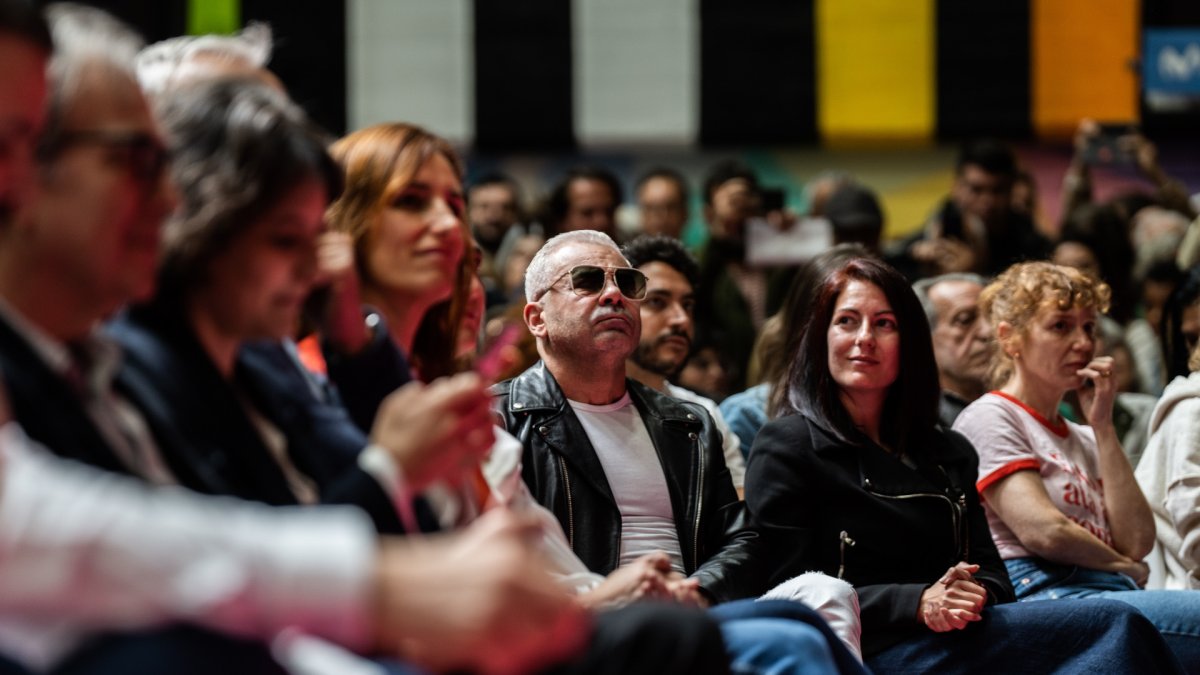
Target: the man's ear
pixel 534 320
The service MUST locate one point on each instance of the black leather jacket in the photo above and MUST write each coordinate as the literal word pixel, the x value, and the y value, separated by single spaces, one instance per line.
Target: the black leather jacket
pixel 858 513
pixel 564 474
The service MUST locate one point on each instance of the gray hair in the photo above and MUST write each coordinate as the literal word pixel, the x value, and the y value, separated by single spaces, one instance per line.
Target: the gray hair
pixel 89 43
pixel 539 274
pixel 922 287
pixel 159 63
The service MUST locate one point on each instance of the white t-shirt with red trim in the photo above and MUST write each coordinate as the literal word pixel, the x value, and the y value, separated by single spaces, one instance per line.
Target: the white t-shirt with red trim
pixel 1009 437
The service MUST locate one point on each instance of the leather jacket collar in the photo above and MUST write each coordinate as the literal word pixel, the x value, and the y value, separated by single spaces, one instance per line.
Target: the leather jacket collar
pixel 537 390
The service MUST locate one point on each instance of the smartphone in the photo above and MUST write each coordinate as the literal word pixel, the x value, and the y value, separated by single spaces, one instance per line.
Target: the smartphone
pixel 492 361
pixel 772 199
pixel 1112 145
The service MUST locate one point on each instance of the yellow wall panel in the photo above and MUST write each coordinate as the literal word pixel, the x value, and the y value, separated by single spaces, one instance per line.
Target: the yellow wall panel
pixel 875 69
pixel 1082 51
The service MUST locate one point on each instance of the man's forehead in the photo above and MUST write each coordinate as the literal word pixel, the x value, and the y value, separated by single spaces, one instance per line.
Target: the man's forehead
pixel 658 185
pixel 662 277
pixel 572 255
pixel 955 292
pixel 491 190
pixel 734 185
pixel 978 174
pixel 112 99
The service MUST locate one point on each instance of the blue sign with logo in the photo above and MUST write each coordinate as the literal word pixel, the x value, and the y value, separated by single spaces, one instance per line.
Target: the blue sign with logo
pixel 1171 62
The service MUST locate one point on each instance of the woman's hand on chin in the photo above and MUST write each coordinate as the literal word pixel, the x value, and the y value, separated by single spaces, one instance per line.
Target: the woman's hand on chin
pixel 1098 392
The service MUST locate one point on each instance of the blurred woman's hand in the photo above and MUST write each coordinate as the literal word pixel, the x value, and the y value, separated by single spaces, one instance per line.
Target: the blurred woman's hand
pixel 343 322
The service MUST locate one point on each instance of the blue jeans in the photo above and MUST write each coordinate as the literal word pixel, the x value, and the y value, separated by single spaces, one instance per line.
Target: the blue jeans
pixel 1098 636
pixel 778 637
pixel 1176 614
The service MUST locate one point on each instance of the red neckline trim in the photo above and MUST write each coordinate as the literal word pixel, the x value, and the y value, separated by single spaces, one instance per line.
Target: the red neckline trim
pixel 1060 429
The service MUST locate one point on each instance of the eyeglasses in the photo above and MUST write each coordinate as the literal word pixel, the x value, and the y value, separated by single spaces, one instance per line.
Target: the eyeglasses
pixel 590 280
pixel 143 155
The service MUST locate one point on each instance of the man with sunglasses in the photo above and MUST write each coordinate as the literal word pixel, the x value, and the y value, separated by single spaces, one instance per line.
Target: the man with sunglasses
pixel 636 478
pixel 609 442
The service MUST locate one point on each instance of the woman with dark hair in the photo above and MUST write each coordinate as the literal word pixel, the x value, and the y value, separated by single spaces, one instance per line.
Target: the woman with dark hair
pixel 746 412
pixel 1066 513
pixel 856 480
pixel 1180 329
pixel 230 412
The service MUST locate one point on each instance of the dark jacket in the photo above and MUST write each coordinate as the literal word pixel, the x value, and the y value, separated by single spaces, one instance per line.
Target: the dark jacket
pixel 196 412
pixel 859 513
pixel 723 311
pixel 50 411
pixel 564 474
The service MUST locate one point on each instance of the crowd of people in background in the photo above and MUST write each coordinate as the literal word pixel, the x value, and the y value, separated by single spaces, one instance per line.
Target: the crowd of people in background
pixel 279 402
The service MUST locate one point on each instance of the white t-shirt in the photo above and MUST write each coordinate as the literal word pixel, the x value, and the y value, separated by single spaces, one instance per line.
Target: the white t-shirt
pixel 729 440
pixel 635 477
pixel 1011 437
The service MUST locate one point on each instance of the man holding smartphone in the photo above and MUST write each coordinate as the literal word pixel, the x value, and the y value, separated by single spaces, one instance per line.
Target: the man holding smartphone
pixel 975 229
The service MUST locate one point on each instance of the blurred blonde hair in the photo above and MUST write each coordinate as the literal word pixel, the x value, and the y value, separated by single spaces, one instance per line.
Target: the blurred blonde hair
pixel 1023 290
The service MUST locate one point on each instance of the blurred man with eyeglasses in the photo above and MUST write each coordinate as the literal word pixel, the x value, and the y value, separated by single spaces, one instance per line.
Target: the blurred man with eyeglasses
pixel 637 479
pixel 89 242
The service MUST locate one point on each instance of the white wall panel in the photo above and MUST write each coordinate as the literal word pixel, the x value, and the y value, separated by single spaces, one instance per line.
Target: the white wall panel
pixel 412 61
pixel 636 70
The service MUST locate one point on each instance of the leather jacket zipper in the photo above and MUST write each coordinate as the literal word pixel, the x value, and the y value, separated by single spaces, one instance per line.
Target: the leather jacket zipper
pixel 699 502
pixel 964 524
pixel 562 467
pixel 955 512
pixel 844 540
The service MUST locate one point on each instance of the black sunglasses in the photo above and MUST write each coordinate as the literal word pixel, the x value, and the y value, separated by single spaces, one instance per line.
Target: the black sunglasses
pixel 590 280
pixel 143 155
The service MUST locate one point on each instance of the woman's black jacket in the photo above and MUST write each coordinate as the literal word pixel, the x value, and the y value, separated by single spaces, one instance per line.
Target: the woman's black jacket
pixel 859 513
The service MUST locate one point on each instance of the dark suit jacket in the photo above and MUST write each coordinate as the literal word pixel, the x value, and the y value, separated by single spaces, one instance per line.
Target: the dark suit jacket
pixel 177 387
pixel 52 413
pixel 722 310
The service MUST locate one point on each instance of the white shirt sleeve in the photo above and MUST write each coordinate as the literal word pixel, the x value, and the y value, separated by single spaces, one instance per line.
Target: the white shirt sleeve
pixel 99 551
